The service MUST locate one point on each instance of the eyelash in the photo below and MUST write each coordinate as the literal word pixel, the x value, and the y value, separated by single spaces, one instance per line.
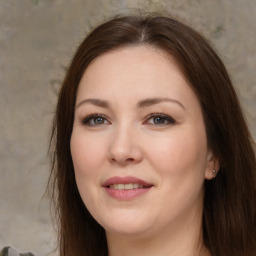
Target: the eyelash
pixel 165 118
pixel 86 120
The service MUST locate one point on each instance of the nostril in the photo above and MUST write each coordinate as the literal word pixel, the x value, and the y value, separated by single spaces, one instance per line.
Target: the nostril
pixel 123 161
pixel 129 160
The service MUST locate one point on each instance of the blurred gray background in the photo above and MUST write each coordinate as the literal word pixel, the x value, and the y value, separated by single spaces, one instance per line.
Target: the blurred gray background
pixel 37 40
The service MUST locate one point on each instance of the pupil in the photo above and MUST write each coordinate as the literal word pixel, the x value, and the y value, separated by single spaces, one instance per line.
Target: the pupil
pixel 159 120
pixel 98 120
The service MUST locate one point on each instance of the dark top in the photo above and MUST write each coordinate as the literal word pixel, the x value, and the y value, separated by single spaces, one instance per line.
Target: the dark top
pixel 9 251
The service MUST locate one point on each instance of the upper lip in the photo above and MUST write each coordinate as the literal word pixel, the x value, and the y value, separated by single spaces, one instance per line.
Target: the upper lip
pixel 125 180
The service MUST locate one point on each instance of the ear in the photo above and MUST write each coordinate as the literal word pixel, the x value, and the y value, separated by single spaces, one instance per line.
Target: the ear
pixel 212 166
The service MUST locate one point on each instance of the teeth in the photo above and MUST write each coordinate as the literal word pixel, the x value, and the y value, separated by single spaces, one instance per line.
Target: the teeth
pixel 136 185
pixel 120 186
pixel 128 186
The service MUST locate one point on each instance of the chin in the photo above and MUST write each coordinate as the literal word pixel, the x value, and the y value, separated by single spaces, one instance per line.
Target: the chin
pixel 126 225
pixel 127 231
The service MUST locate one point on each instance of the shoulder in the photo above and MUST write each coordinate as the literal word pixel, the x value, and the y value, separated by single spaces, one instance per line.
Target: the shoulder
pixel 9 251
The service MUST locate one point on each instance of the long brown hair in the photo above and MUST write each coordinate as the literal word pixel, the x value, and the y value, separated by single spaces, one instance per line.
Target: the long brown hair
pixel 229 204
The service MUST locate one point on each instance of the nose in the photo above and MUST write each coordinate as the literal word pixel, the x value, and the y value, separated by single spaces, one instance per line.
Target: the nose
pixel 125 147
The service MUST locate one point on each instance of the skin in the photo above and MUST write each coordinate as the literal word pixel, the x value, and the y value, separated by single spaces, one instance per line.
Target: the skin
pixel 126 140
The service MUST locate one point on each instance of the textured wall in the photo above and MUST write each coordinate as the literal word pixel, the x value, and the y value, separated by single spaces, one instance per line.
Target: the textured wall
pixel 37 39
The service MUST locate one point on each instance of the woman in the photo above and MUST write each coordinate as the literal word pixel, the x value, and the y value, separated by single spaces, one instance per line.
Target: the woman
pixel 152 154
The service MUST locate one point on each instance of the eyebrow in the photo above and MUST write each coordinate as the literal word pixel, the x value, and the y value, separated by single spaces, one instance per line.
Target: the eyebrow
pixel 153 101
pixel 96 102
pixel 141 104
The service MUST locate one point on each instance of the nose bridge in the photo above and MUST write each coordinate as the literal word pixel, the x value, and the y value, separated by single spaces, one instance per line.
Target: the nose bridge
pixel 124 145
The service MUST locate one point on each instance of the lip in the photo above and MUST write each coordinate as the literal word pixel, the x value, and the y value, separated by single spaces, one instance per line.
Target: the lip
pixel 125 180
pixel 126 194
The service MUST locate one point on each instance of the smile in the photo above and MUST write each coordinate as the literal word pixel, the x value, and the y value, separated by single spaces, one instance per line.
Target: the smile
pixel 128 186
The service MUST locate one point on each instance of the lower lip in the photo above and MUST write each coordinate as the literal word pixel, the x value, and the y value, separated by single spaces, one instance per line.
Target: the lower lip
pixel 126 194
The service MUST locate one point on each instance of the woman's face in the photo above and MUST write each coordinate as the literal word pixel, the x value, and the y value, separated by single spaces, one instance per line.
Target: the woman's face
pixel 139 144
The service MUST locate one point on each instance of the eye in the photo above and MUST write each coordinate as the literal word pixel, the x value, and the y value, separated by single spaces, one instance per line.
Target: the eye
pixel 95 120
pixel 160 119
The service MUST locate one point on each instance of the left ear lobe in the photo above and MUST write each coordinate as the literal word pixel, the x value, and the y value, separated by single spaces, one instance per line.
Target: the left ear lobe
pixel 212 166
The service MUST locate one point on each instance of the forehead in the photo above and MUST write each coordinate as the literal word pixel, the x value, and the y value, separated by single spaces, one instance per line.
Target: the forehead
pixel 130 56
pixel 137 70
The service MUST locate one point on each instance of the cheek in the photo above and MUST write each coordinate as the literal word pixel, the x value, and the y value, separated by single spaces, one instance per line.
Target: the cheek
pixel 87 153
pixel 180 162
pixel 179 153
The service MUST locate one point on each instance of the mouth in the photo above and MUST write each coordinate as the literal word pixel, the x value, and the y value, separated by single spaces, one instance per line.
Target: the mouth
pixel 126 188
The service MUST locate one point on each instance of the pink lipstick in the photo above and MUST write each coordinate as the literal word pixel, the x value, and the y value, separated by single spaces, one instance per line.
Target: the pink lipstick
pixel 126 188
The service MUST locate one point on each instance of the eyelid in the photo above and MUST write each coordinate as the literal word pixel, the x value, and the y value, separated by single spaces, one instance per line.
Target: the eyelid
pixel 171 120
pixel 85 120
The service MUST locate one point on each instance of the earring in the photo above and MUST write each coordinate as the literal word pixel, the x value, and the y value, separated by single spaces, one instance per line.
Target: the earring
pixel 214 173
